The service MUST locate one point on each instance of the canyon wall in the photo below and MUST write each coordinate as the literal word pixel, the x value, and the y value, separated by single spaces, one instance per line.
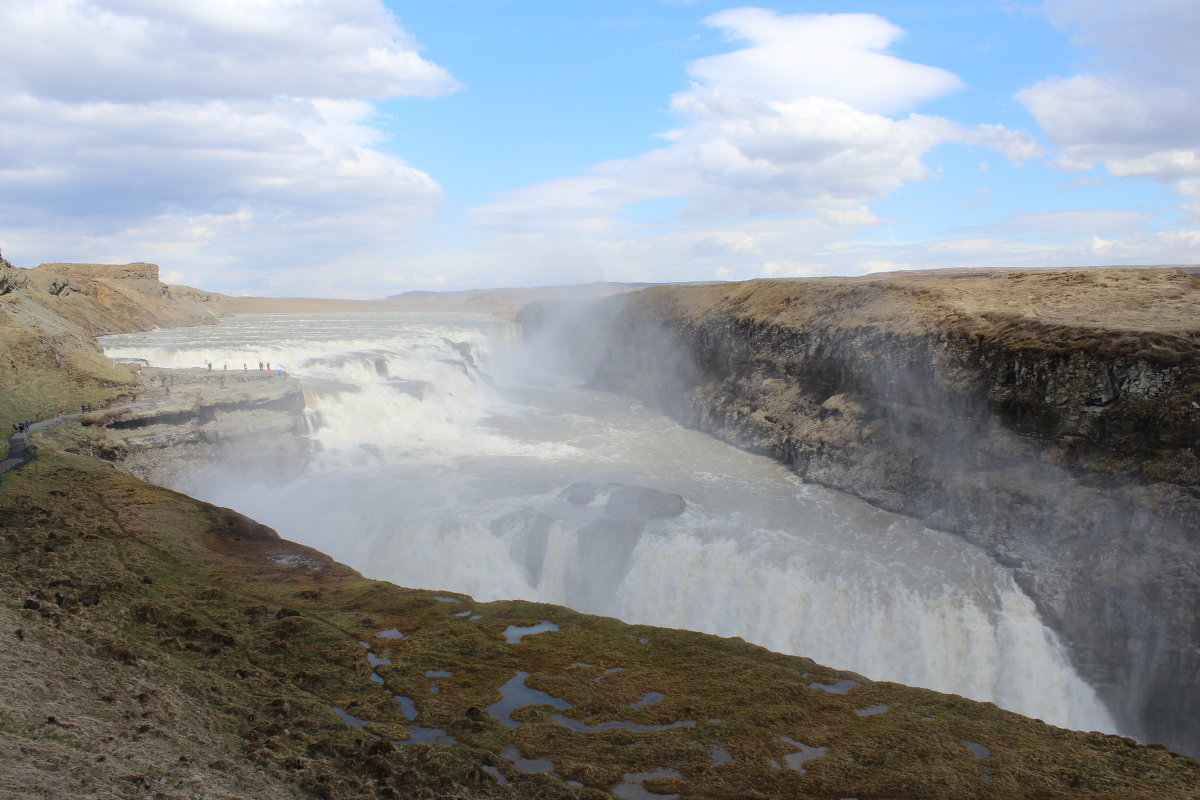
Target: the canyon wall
pixel 1051 418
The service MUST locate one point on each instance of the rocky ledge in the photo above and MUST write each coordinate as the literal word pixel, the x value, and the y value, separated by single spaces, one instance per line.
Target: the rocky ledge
pixel 192 419
pixel 1050 417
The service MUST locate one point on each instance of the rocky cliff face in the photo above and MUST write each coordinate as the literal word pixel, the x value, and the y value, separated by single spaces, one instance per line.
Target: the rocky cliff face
pixel 1051 418
pixel 189 420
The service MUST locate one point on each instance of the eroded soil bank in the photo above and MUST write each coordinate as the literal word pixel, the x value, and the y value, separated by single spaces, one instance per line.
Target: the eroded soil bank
pixel 1050 417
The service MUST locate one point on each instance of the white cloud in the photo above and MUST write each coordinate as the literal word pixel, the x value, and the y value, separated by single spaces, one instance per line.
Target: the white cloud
pixel 225 137
pixel 834 56
pixel 138 51
pixel 1071 222
pixel 1137 108
pixel 791 124
pixel 781 147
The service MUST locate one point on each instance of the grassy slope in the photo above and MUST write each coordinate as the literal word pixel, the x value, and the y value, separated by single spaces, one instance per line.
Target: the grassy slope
pixel 48 356
pixel 184 678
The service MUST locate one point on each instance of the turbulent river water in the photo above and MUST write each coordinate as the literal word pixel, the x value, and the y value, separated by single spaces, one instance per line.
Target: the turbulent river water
pixel 446 453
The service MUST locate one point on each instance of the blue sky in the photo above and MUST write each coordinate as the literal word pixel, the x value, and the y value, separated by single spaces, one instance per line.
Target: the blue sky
pixel 362 148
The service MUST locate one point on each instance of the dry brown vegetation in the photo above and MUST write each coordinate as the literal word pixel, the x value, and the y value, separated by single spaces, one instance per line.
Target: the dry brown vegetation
pixel 1126 311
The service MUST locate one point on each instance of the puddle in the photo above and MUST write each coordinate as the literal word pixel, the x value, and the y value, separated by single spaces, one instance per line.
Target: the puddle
pixel 522 764
pixel 408 707
pixel 637 727
pixel 350 719
pixel 870 711
pixel 390 633
pixel 578 664
pixel 715 720
pixel 475 617
pixel 377 660
pixel 364 644
pixel 608 671
pixel 649 699
pixel 515 694
pixel 416 733
pixel 464 614
pixel 718 755
pixel 376 679
pixel 631 787
pixel 495 773
pixel 514 633
pixel 978 751
pixel 841 687
pixel 437 673
pixel 645 641
pixel 441 598
pixel 795 761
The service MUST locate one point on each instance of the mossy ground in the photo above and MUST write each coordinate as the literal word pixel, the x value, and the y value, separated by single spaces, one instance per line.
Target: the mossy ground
pixel 181 650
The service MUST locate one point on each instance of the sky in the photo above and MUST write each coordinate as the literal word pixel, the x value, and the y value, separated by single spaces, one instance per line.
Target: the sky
pixel 364 148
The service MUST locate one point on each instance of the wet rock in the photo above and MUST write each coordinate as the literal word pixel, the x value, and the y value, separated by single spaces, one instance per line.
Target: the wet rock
pixel 580 494
pixel 642 503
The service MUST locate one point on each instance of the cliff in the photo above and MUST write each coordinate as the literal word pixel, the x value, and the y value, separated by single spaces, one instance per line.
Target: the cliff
pixel 50 315
pixel 1050 417
pixel 188 420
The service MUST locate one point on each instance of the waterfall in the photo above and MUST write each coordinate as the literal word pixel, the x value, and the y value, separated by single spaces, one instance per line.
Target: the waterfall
pixel 446 463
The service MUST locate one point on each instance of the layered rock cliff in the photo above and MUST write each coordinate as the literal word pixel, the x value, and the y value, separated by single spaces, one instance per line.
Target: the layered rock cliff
pixel 1051 418
pixel 188 420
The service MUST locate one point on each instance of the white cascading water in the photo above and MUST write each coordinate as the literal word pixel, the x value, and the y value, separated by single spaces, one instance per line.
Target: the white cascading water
pixel 443 462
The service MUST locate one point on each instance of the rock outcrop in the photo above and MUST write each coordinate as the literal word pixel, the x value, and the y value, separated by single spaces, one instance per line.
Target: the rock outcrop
pixel 189 420
pixel 1051 418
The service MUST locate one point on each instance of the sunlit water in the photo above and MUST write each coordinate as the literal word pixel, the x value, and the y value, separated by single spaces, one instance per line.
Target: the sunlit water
pixel 444 454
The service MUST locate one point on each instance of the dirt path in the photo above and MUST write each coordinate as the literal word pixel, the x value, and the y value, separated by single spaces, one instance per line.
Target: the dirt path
pixel 18 444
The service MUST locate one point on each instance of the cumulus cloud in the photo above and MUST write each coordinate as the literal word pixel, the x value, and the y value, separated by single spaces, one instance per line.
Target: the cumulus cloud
pixel 230 134
pixel 1137 108
pixel 796 122
pixel 837 56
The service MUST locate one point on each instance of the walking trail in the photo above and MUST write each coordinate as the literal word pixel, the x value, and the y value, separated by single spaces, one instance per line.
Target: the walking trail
pixel 18 444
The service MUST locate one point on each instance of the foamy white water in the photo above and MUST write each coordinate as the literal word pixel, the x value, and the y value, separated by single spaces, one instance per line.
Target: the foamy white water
pixel 444 457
